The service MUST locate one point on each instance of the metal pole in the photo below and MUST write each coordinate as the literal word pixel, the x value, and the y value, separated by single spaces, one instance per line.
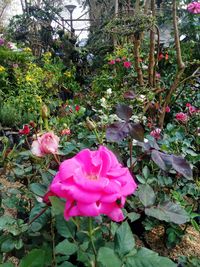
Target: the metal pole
pixel 71 23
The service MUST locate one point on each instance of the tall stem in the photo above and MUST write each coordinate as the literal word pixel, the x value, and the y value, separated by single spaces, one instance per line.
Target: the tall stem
pixel 90 233
pixel 137 59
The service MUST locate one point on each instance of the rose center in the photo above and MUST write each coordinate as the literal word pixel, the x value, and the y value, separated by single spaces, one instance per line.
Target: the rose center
pixel 92 177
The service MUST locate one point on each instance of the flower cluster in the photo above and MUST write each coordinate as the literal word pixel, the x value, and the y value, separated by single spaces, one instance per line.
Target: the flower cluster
pixel 191 109
pixel 162 56
pixel 127 64
pixel 93 183
pixel 194 8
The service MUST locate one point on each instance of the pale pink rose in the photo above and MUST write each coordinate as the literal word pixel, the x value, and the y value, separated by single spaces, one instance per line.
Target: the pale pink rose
pixel 167 109
pixel 93 183
pixel 182 117
pixel 194 8
pixel 192 109
pixel 127 64
pixel 46 144
pixel 156 133
pixel 118 59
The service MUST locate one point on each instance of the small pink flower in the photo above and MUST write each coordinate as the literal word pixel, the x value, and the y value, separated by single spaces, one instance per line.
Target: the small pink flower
pixel 192 109
pixel 158 76
pixel 188 105
pixel 127 64
pixel 118 59
pixel 156 133
pixel 111 62
pixel 15 65
pixel 167 109
pixel 124 58
pixel 93 183
pixel 46 144
pixel 25 130
pixel 2 41
pixel 65 132
pixel 194 8
pixel 182 117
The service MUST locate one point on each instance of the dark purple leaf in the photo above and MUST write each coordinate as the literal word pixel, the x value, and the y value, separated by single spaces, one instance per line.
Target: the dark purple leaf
pixel 117 131
pixel 169 212
pixel 129 95
pixel 124 112
pixel 182 166
pixel 136 131
pixel 157 158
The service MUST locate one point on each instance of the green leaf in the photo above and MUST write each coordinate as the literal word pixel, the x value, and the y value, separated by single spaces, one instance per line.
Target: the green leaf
pixel 169 212
pixel 146 195
pixel 107 258
pixel 57 205
pixel 148 258
pixel 66 248
pixel 124 241
pixel 8 245
pixel 41 220
pixel 35 258
pixel 64 228
pixel 146 172
pixel 66 264
pixel 8 264
pixel 133 216
pixel 38 189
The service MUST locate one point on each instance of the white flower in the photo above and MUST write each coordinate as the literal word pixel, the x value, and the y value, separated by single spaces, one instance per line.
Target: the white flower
pixel 103 102
pixel 109 91
pixel 141 98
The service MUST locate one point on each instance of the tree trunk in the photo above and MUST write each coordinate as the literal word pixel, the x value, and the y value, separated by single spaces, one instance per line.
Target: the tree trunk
pixel 137 59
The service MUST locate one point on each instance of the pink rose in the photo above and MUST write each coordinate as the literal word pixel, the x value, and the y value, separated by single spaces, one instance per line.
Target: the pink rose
pixel 65 132
pixel 111 62
pixel 93 183
pixel 156 133
pixel 167 109
pixel 182 117
pixel 127 64
pixel 194 8
pixel 46 144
